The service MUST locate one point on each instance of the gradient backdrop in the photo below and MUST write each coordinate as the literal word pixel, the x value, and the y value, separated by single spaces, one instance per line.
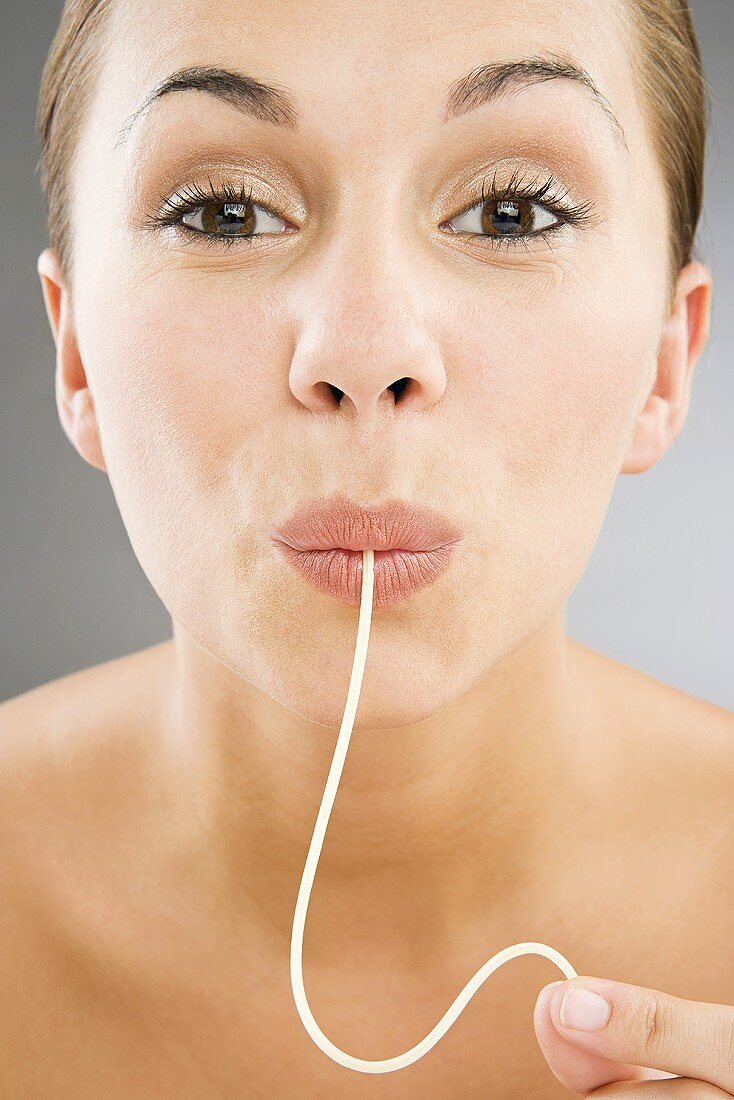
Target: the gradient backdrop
pixel 657 594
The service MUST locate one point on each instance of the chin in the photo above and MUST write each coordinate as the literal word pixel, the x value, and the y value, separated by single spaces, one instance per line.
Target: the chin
pixel 378 708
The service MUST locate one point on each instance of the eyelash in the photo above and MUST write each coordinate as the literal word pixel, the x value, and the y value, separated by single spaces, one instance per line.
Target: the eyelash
pixel 531 190
pixel 192 198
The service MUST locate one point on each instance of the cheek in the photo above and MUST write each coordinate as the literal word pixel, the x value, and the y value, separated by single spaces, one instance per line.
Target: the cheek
pixel 184 375
pixel 184 390
pixel 557 380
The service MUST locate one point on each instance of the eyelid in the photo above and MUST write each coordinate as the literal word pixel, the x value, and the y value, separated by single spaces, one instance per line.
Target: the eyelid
pixel 536 192
pixel 541 188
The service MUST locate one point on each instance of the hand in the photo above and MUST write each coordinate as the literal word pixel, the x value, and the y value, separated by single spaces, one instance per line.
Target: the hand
pixel 645 1028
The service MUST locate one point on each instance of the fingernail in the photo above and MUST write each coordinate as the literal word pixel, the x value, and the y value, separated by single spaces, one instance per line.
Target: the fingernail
pixel 584 1010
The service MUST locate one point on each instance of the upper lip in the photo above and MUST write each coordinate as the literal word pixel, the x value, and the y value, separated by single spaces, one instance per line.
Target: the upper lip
pixel 339 523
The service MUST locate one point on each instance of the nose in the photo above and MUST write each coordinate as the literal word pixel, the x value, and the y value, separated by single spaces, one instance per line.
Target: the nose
pixel 365 345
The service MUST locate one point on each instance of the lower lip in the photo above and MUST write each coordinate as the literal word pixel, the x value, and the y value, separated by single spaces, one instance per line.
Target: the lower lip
pixel 397 573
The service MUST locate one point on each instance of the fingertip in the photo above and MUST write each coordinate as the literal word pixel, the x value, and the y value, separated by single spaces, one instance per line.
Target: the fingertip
pixel 541 1012
pixel 546 991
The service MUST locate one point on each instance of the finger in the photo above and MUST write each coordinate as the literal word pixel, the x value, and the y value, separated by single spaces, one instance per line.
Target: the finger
pixel 646 1027
pixel 681 1088
pixel 575 1067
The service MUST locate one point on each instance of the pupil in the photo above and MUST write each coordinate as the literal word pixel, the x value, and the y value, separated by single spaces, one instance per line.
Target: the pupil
pixel 504 219
pixel 232 211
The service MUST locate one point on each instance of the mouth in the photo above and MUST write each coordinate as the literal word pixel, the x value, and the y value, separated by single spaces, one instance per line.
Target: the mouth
pixel 324 541
pixel 397 573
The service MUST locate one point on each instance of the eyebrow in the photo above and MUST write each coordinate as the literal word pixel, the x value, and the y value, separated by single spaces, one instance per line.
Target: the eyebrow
pixel 268 103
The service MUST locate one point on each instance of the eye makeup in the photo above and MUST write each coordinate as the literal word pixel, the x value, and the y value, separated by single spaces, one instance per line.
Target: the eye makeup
pixel 510 200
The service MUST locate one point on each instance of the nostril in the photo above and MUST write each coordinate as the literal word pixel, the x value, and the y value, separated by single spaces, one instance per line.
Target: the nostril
pixel 399 387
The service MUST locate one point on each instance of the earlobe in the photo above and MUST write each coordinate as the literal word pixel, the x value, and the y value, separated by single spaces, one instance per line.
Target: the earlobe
pixel 74 399
pixel 79 420
pixel 685 333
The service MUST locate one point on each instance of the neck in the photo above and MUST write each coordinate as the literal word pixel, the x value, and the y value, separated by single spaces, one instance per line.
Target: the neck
pixel 435 825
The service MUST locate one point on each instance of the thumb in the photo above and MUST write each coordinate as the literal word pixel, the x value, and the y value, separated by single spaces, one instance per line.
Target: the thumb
pixel 579 1069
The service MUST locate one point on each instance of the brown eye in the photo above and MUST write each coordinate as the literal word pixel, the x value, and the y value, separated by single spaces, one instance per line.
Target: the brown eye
pixel 506 218
pixel 231 219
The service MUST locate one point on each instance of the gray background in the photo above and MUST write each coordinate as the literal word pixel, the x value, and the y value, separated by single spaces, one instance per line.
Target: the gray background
pixel 656 594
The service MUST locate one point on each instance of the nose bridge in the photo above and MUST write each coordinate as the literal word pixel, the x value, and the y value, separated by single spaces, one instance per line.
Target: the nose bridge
pixel 366 290
pixel 369 297
pixel 362 306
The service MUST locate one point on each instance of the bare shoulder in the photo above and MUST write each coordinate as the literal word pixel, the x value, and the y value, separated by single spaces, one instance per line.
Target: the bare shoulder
pixel 93 691
pixel 68 751
pixel 666 833
pixel 631 693
pixel 71 776
pixel 671 751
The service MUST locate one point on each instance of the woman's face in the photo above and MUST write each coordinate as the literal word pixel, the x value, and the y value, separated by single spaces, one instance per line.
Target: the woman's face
pixel 208 361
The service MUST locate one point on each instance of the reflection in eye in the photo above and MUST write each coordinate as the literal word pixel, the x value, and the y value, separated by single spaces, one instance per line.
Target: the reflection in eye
pixel 234 219
pixel 502 217
pixel 507 214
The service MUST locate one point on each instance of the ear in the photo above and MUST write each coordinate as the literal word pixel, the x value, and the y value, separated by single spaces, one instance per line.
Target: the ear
pixel 683 339
pixel 73 396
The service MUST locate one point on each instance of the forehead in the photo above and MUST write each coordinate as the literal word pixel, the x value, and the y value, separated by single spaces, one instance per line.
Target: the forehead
pixel 367 68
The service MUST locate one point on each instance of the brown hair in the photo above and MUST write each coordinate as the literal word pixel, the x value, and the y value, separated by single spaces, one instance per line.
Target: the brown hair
pixel 669 75
pixel 667 67
pixel 68 82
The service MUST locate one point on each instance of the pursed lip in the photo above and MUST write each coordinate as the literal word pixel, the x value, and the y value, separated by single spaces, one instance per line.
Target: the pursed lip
pixel 338 523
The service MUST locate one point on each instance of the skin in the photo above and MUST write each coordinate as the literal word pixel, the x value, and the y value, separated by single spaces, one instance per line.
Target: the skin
pixel 195 378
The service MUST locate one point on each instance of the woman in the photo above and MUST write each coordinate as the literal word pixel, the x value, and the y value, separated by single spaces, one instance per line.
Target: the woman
pixel 405 266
